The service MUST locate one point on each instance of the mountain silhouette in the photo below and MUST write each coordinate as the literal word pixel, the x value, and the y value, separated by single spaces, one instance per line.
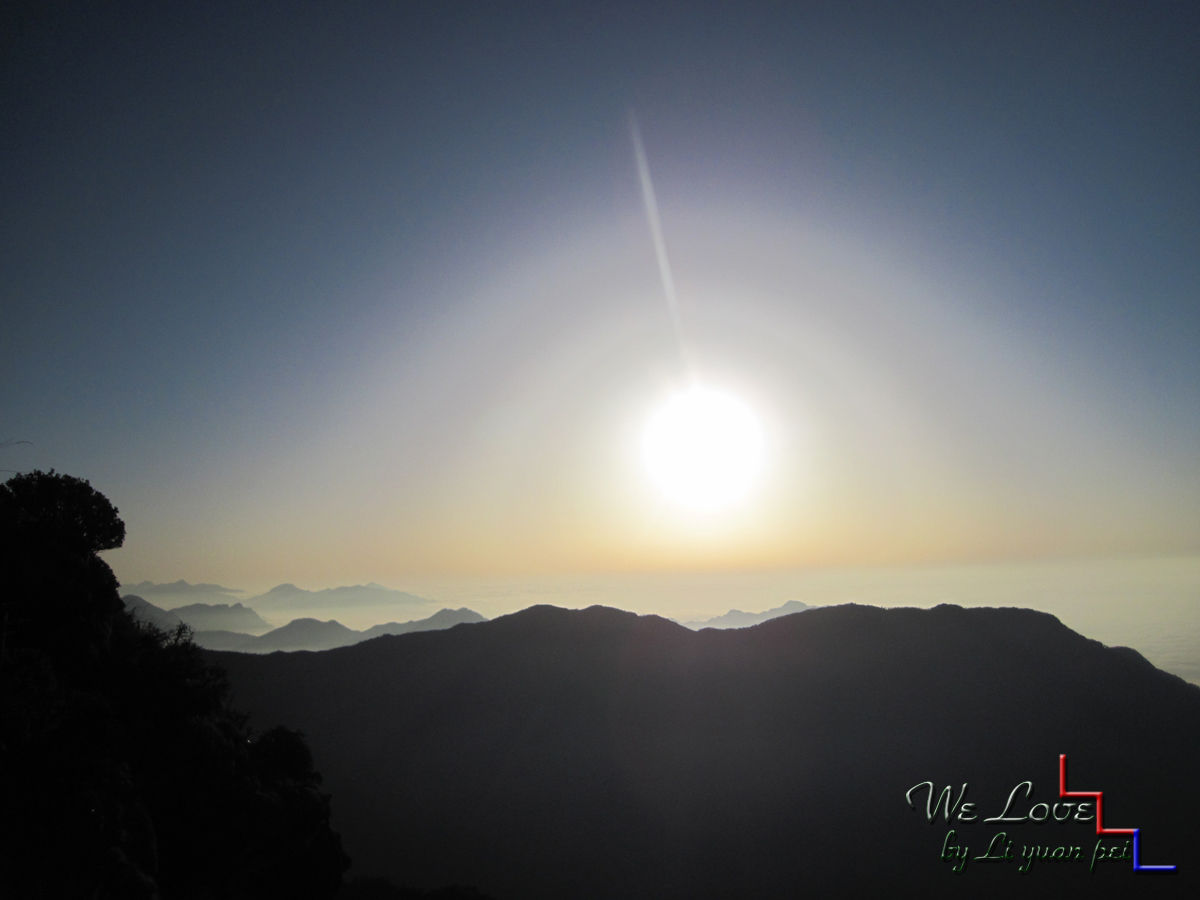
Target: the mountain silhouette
pixel 735 618
pixel 181 587
pixel 303 634
pixel 313 634
pixel 179 593
pixel 595 753
pixel 147 612
pixel 233 617
pixel 237 641
pixel 225 616
pixel 443 618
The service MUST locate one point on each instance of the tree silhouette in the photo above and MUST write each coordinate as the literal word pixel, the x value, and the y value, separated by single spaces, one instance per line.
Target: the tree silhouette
pixel 63 512
pixel 124 771
pixel 51 528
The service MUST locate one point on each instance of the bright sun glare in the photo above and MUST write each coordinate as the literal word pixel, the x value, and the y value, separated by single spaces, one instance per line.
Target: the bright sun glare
pixel 703 448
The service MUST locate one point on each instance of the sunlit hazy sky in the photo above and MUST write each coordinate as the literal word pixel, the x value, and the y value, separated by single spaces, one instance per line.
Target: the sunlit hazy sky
pixel 330 293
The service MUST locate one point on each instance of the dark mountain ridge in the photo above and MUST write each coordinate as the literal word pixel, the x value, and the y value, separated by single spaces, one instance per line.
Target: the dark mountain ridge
pixel 555 753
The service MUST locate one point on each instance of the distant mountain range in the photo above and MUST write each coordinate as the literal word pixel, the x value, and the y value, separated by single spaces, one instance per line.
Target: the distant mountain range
pixel 280 597
pixel 313 634
pixel 443 618
pixel 230 617
pixel 298 634
pixel 181 593
pixel 149 588
pixel 237 628
pixel 735 618
pixel 199 616
pixel 148 612
pixel 595 753
pixel 288 596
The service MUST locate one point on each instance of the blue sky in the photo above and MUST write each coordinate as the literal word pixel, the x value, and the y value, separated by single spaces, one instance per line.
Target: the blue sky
pixel 346 292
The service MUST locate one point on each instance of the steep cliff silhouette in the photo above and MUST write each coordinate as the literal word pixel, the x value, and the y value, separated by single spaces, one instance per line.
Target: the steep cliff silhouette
pixel 124 772
pixel 596 753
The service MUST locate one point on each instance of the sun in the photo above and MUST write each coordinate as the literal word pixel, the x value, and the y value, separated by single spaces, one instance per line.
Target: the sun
pixel 703 448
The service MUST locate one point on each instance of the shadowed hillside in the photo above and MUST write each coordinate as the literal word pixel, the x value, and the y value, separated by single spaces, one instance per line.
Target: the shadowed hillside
pixel 596 753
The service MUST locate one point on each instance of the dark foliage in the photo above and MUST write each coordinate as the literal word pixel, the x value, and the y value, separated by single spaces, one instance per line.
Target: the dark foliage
pixel 123 769
pixel 62 511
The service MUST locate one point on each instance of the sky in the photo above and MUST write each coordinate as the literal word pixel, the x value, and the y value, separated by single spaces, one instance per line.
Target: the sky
pixel 335 293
